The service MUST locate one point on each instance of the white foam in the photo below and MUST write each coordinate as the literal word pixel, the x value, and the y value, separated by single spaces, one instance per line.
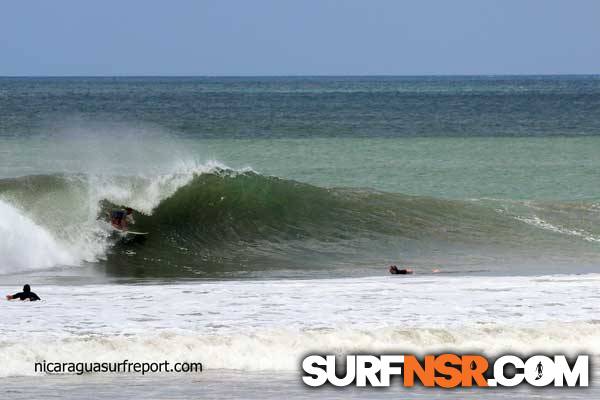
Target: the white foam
pixel 282 350
pixel 145 192
pixel 540 223
pixel 269 325
pixel 26 245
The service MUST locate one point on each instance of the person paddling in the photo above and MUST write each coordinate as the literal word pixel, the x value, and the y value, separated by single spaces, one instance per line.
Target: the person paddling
pixel 26 294
pixel 395 271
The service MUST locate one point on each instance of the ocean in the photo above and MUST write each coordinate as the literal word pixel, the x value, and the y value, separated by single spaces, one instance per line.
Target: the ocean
pixel 274 206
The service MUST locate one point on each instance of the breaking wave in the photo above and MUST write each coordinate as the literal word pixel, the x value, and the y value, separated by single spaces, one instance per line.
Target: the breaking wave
pixel 283 350
pixel 208 220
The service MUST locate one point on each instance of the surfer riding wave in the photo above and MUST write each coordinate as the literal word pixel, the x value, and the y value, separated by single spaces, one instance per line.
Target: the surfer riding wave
pixel 122 218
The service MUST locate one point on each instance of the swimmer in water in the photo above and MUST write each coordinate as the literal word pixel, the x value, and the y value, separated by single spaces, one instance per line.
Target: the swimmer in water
pixel 395 271
pixel 407 271
pixel 26 294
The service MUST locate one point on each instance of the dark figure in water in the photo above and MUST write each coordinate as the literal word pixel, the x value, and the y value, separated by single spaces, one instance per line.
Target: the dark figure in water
pixel 26 294
pixel 395 271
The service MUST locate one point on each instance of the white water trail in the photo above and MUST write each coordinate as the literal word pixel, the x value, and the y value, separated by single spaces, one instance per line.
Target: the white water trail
pixel 26 245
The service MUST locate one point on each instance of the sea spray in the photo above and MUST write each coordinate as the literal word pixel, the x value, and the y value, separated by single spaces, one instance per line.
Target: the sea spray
pixel 58 220
pixel 26 245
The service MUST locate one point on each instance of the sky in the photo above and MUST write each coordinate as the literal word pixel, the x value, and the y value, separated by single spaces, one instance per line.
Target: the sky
pixel 302 37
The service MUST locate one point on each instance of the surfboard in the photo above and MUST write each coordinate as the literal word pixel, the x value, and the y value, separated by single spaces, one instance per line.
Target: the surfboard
pixel 124 233
pixel 134 233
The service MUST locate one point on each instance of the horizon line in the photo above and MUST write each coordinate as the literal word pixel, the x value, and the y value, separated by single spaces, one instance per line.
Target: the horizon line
pixel 302 76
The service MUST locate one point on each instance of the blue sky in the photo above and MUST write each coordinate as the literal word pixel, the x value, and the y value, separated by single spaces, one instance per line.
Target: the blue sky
pixel 303 37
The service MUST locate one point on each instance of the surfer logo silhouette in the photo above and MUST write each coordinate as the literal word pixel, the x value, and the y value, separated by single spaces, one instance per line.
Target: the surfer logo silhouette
pixel 540 370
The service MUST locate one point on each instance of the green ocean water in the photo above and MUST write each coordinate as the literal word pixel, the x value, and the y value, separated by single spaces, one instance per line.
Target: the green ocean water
pixel 555 168
pixel 273 177
pixel 547 168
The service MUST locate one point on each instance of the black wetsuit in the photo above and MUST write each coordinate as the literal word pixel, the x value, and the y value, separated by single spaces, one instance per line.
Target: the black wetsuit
pixel 26 295
pixel 397 271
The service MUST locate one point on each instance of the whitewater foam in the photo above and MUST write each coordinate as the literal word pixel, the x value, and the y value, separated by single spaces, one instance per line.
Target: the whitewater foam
pixel 26 245
pixel 144 192
pixel 281 350
pixel 540 223
pixel 269 325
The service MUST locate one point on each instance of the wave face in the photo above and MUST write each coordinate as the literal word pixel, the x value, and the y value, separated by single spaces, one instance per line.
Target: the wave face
pixel 209 221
